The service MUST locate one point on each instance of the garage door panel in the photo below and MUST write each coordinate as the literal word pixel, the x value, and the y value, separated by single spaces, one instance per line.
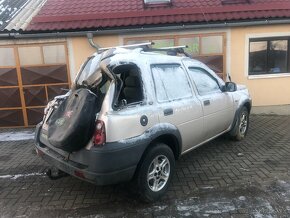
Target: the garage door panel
pixel 55 90
pixel 30 76
pixel 44 75
pixel 35 96
pixel 11 118
pixel 8 77
pixel 34 115
pixel 10 97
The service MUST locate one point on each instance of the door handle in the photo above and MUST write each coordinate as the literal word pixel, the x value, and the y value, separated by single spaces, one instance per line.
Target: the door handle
pixel 168 111
pixel 206 102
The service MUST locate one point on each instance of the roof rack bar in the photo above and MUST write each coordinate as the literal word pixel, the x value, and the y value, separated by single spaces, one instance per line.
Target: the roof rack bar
pixel 169 50
pixel 128 46
pixel 174 47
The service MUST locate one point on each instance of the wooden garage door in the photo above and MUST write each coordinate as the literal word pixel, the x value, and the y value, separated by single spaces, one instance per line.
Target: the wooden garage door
pixel 30 76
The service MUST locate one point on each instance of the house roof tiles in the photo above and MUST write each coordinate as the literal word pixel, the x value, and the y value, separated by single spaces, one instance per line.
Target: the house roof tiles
pixel 69 15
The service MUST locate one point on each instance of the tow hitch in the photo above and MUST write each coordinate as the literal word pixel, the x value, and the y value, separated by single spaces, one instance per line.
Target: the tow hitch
pixel 54 173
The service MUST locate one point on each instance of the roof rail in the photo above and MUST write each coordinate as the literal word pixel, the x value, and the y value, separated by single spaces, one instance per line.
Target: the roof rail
pixel 129 46
pixel 174 47
pixel 173 51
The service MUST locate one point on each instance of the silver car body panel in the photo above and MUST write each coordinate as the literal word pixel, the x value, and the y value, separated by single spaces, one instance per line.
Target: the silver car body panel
pixel 197 123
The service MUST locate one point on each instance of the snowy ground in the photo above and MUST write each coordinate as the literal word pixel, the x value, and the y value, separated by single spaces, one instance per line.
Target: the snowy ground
pixel 16 135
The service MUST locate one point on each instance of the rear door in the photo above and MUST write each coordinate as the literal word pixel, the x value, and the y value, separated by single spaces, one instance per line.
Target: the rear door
pixel 177 103
pixel 217 106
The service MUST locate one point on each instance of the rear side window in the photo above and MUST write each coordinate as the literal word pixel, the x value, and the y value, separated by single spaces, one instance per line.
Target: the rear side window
pixel 171 82
pixel 204 82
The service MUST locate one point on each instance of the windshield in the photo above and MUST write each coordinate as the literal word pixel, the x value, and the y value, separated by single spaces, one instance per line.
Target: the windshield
pixel 90 74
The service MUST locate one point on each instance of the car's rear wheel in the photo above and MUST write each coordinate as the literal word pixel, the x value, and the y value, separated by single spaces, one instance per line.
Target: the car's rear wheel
pixel 155 172
pixel 242 125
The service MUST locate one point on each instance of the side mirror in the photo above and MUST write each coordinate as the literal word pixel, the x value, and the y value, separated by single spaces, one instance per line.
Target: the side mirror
pixel 229 87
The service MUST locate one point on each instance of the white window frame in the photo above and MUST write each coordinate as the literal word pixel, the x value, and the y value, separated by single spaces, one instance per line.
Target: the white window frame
pixel 247 46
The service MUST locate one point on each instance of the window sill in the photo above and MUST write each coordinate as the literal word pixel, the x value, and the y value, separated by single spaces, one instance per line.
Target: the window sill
pixel 269 76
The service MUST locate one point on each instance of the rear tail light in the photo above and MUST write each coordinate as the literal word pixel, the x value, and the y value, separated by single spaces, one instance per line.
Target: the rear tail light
pixel 100 133
pixel 79 174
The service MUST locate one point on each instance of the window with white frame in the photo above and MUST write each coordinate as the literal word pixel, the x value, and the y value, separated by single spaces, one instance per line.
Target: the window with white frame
pixel 269 56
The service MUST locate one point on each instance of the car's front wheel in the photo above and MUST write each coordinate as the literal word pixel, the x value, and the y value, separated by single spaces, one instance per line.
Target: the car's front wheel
pixel 242 125
pixel 155 172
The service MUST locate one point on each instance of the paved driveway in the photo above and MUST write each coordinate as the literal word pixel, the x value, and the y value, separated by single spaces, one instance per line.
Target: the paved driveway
pixel 220 179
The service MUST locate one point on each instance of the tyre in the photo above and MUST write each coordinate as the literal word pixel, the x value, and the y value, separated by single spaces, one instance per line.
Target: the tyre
pixel 242 125
pixel 155 172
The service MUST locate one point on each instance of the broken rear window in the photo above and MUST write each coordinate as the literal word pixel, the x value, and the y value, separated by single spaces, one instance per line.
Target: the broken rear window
pixel 90 74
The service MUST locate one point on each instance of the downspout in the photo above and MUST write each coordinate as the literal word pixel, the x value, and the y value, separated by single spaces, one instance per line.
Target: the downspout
pixel 90 37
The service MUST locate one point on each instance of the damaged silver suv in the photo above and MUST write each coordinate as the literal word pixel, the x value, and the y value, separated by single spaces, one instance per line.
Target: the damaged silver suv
pixel 131 113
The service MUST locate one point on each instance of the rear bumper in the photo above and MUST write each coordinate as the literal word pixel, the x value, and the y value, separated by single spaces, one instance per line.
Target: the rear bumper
pixel 110 164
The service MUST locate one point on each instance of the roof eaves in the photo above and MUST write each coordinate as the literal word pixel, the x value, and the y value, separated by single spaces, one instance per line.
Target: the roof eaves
pixel 138 29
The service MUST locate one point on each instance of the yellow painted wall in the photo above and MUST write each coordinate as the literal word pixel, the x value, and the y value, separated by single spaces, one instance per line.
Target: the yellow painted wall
pixel 264 91
pixel 82 49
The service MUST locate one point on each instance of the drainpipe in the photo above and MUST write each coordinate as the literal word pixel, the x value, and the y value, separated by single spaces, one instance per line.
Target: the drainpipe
pixel 91 41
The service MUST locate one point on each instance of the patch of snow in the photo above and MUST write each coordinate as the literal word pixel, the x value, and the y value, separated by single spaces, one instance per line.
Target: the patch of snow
pixel 244 169
pixel 192 206
pixel 5 176
pixel 187 214
pixel 151 209
pixel 260 215
pixel 159 208
pixel 207 187
pixel 16 176
pixel 242 198
pixel 16 136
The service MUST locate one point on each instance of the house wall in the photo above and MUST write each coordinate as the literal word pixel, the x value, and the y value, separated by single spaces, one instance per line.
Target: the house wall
pixel 270 93
pixel 266 90
pixel 80 49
